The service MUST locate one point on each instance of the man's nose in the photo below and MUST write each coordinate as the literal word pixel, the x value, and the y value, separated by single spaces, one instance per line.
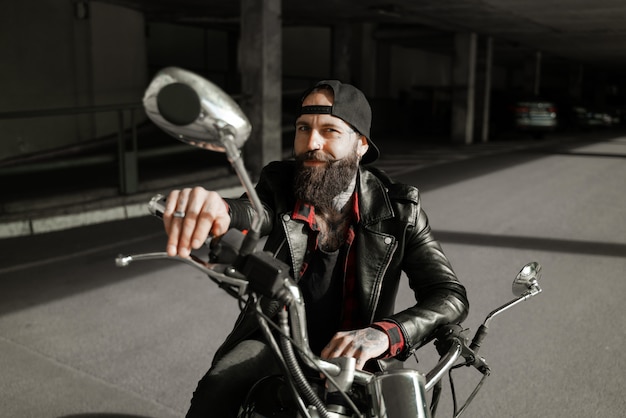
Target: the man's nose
pixel 315 140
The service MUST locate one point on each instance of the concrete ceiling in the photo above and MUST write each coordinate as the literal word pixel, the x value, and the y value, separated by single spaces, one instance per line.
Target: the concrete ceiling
pixel 588 32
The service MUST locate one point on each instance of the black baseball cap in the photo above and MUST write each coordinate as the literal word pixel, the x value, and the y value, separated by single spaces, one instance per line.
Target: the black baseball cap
pixel 349 105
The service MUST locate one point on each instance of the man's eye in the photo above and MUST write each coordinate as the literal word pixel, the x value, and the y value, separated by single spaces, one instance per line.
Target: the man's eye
pixel 302 128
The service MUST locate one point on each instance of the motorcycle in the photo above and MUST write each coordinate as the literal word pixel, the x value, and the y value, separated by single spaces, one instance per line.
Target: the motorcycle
pixel 197 112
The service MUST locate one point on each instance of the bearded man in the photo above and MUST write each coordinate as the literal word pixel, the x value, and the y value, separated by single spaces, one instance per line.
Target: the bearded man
pixel 347 232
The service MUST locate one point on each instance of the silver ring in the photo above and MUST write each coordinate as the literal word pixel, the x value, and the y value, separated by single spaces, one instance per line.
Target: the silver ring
pixel 179 214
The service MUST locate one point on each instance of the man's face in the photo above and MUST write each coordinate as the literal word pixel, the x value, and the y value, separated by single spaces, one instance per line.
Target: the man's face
pixel 328 152
pixel 326 134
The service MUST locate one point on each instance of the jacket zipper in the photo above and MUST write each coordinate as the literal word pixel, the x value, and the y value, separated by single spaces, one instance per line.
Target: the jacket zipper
pixel 379 285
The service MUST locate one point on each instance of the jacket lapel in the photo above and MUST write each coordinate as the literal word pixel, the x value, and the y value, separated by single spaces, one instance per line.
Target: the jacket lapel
pixel 297 239
pixel 374 247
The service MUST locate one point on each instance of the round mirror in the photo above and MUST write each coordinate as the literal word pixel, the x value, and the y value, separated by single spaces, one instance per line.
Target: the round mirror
pixel 194 110
pixel 527 278
pixel 179 104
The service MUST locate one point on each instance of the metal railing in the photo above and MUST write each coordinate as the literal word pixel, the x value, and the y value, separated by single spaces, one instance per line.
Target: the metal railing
pixel 127 148
pixel 127 155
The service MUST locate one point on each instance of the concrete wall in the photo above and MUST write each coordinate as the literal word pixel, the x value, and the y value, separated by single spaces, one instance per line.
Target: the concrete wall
pixel 207 51
pixel 118 54
pixel 53 59
pixel 200 50
pixel 412 68
pixel 38 54
pixel 118 60
pixel 310 63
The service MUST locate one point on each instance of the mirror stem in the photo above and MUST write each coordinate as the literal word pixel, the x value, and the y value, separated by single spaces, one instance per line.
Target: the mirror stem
pixel 482 331
pixel 532 291
pixel 234 157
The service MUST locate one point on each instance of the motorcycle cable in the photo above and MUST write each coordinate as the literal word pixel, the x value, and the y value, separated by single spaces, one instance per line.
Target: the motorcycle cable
pixel 303 352
pixel 457 412
pixel 265 323
pixel 434 402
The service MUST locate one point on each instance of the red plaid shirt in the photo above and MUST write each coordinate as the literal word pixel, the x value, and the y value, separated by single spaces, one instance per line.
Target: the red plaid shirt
pixel 350 311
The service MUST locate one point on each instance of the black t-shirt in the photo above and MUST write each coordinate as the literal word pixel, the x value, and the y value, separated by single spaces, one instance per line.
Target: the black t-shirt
pixel 322 288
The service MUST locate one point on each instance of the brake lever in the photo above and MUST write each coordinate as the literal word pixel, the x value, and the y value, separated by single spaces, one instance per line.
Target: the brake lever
pixel 448 334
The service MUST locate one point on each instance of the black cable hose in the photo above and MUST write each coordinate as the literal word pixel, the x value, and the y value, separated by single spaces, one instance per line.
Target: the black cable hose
pixel 457 412
pixel 269 322
pixel 300 380
pixel 434 403
pixel 264 326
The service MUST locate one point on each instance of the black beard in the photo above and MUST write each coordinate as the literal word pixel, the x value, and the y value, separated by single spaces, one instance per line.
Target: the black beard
pixel 319 185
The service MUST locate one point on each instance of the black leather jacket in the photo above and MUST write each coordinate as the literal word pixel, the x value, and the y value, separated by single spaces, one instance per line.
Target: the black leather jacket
pixel 393 236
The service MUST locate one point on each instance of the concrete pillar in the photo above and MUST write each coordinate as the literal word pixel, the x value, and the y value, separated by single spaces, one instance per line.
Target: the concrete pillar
pixel 463 79
pixel 260 64
pixel 485 93
pixel 537 83
pixel 383 69
pixel 575 87
pixel 342 52
pixel 532 75
pixel 364 64
pixel 83 71
pixel 600 90
pixel 233 78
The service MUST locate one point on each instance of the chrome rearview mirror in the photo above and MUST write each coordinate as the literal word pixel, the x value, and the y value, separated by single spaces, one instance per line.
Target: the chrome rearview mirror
pixel 199 113
pixel 525 286
pixel 195 111
pixel 527 279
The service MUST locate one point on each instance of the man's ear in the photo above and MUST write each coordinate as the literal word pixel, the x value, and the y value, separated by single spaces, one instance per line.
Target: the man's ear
pixel 362 146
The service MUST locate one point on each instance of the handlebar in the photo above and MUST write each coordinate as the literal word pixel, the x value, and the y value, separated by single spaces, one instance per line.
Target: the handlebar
pixel 273 281
pixel 241 272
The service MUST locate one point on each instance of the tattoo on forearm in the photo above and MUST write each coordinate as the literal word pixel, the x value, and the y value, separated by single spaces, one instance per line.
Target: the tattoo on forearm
pixel 368 339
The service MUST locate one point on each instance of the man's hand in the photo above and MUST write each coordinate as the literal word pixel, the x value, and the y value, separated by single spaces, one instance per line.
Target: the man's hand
pixel 362 344
pixel 190 216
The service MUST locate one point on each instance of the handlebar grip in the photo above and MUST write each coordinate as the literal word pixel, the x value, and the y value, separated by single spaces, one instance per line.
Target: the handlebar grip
pixel 156 206
pixel 481 333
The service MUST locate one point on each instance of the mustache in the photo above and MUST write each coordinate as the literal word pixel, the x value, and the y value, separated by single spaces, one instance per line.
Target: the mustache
pixel 317 156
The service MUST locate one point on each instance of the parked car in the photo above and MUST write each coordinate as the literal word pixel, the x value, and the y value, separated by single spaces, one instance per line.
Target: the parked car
pixel 590 118
pixel 512 113
pixel 535 116
pixel 601 119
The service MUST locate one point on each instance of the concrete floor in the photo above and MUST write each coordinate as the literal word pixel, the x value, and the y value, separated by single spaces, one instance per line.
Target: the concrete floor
pixel 82 338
